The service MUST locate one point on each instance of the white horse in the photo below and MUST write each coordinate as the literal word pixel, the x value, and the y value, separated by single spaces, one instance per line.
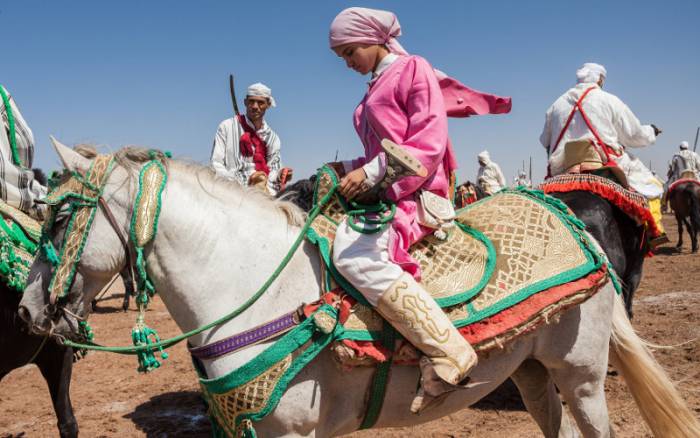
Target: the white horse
pixel 218 242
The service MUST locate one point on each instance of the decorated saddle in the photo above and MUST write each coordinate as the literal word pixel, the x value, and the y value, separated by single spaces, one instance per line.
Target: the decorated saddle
pixel 19 240
pixel 678 182
pixel 631 203
pixel 514 260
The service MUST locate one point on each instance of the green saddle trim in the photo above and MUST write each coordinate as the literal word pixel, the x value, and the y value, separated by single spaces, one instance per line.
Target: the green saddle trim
pixel 11 124
pixel 303 344
pixel 351 210
pixel 594 261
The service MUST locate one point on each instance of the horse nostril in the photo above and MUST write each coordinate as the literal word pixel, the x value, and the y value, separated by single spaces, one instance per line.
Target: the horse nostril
pixel 25 314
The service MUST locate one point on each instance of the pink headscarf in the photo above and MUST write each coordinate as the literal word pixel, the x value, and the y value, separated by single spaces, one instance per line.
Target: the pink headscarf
pixel 373 26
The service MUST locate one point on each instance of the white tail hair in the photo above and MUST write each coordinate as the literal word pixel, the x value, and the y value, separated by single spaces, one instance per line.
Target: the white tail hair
pixel 661 405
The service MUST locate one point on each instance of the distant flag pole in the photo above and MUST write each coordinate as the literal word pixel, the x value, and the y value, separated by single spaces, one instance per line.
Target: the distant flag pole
pixel 695 146
pixel 530 173
pixel 336 155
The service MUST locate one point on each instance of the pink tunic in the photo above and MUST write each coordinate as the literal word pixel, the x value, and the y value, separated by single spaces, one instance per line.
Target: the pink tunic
pixel 405 104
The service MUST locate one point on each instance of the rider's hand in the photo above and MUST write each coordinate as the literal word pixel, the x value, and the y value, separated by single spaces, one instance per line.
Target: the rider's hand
pixel 657 131
pixel 256 178
pixel 353 183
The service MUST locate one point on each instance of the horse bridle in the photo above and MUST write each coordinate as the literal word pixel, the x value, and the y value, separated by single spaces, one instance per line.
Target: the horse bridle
pixel 86 200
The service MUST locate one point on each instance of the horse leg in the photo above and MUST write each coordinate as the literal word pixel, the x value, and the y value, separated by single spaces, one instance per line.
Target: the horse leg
pixel 542 401
pixel 56 365
pixel 679 223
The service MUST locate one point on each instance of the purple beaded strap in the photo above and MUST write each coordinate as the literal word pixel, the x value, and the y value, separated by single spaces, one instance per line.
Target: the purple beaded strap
pixel 246 338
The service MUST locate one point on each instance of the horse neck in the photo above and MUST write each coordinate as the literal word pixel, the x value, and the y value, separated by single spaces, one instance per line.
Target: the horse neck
pixel 215 247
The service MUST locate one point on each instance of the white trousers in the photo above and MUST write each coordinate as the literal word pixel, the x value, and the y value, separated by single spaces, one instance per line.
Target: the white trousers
pixel 363 259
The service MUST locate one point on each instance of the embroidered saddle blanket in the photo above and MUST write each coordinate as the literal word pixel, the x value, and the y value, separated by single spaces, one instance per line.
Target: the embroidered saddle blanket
pixel 631 203
pixel 515 260
pixel 19 237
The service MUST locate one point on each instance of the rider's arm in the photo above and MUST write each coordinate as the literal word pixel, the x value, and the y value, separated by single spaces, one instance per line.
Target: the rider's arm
pixel 274 163
pixel 426 135
pixel 630 132
pixel 218 153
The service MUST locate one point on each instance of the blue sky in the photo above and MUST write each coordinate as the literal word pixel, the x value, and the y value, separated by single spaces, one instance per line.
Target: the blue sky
pixel 156 73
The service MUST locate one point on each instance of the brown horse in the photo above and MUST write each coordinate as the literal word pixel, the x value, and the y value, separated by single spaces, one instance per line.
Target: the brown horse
pixel 685 203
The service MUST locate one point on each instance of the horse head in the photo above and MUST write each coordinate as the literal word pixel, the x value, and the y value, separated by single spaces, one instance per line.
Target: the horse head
pixel 80 249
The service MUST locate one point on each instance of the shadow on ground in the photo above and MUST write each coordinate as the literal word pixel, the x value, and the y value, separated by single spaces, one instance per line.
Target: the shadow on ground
pixel 172 414
pixel 504 398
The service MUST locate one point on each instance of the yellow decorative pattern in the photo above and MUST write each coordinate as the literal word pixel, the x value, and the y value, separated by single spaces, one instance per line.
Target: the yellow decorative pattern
pixel 532 244
pixel 73 241
pixel 247 399
pixel 146 210
pixel 30 225
pixel 448 267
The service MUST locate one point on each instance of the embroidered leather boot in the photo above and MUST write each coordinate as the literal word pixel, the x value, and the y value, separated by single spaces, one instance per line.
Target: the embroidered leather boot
pixel 448 356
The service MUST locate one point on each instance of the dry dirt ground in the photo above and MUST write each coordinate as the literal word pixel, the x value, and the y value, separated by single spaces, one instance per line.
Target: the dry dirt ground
pixel 111 399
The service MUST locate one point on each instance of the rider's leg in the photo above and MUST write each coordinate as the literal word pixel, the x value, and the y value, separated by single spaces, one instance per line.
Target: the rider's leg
pixel 364 260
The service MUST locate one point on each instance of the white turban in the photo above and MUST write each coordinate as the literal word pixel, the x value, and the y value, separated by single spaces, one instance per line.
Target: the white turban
pixel 261 90
pixel 484 156
pixel 590 72
pixel 684 145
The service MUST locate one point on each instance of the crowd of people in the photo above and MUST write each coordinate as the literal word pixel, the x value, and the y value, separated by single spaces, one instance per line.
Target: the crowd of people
pixel 407 102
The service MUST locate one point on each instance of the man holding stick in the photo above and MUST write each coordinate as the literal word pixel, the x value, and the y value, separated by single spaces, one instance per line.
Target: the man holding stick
pixel 246 149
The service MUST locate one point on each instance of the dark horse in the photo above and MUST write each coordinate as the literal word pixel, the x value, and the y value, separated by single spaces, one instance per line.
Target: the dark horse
pixel 620 237
pixel 685 203
pixel 20 348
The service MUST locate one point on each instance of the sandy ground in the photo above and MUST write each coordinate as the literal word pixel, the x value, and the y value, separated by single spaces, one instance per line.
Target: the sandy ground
pixel 111 399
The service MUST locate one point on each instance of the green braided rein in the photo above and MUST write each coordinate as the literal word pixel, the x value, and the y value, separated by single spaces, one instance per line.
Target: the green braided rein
pixel 162 344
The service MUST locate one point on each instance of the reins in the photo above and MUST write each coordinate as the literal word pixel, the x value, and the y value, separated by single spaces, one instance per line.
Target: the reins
pixel 162 344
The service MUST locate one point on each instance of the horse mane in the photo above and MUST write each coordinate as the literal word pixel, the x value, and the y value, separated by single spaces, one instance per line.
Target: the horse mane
pixel 131 158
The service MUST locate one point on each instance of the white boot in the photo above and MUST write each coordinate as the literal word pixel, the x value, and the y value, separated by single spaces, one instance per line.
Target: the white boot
pixel 448 356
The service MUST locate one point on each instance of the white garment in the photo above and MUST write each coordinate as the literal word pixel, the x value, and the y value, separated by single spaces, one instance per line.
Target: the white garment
pixel 363 259
pixel 640 177
pixel 490 177
pixel 522 181
pixel 227 161
pixel 692 160
pixel 17 184
pixel 612 119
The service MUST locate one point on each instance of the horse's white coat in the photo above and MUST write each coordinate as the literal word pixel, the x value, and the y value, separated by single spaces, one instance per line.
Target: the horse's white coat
pixel 216 244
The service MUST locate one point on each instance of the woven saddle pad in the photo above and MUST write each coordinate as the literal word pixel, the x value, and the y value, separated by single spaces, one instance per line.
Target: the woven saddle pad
pixel 453 270
pixel 509 248
pixel 19 237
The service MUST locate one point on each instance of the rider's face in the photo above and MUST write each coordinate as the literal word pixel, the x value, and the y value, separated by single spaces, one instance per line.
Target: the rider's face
pixel 255 107
pixel 363 58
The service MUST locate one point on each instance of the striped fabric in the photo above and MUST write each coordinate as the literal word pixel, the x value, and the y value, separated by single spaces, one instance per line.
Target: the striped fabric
pixel 17 184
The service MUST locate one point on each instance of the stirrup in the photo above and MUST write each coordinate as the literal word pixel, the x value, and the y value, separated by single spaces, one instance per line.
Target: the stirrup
pixel 433 389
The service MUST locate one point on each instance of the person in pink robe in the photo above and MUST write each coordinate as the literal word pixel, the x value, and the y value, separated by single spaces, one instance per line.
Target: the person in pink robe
pixel 407 102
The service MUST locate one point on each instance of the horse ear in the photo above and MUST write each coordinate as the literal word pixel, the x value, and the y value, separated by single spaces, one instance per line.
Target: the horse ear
pixel 71 159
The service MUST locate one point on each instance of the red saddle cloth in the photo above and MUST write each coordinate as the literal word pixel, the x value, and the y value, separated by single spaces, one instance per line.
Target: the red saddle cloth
pixel 631 203
pixel 682 181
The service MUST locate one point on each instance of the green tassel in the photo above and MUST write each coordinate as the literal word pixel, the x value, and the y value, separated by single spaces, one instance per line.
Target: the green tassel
pixel 49 253
pixel 144 335
pixel 87 335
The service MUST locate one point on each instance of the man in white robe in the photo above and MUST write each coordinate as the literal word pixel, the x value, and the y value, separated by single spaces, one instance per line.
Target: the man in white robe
pixel 246 149
pixel 18 187
pixel 601 117
pixel 692 159
pixel 522 180
pixel 489 177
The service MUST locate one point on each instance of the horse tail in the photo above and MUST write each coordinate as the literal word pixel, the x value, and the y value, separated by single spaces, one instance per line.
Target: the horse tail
pixel 694 207
pixel 662 407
